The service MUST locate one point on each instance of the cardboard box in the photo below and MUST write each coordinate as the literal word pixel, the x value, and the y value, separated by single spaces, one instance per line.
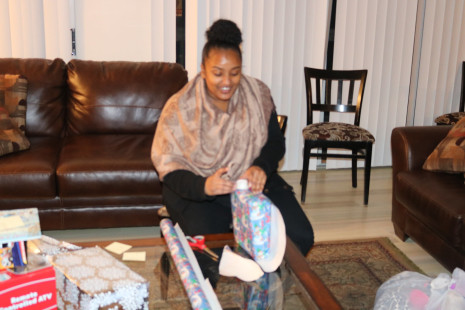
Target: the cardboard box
pixel 91 278
pixel 31 290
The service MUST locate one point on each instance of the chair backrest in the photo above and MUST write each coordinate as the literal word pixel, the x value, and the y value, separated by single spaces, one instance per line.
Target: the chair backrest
pixel 321 81
pixel 462 92
pixel 282 121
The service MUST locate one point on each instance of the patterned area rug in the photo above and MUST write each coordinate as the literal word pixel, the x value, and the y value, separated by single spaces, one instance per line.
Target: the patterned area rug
pixel 354 269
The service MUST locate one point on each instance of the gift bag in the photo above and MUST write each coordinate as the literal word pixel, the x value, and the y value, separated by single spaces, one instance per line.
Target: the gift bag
pixel 415 291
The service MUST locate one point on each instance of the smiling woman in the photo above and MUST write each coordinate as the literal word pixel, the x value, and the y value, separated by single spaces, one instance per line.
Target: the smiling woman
pixel 219 128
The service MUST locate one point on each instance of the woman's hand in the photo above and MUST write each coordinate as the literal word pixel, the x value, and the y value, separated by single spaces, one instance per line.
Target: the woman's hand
pixel 256 178
pixel 216 185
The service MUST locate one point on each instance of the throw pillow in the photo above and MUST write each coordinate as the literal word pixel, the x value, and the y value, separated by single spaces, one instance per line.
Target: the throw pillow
pixel 449 155
pixel 449 118
pixel 11 138
pixel 13 93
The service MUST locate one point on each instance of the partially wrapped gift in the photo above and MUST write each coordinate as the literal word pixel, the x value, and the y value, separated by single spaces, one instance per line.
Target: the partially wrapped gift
pixel 258 226
pixel 93 279
pixel 252 220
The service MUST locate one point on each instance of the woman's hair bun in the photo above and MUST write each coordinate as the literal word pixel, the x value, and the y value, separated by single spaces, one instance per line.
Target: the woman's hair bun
pixel 224 31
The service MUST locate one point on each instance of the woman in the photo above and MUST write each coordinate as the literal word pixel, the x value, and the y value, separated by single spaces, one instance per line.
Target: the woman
pixel 220 127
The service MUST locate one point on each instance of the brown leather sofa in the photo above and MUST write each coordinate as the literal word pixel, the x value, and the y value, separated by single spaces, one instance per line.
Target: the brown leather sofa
pixel 91 126
pixel 428 207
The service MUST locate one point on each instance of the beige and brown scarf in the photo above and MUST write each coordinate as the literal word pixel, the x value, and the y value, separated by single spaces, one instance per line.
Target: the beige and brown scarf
pixel 193 134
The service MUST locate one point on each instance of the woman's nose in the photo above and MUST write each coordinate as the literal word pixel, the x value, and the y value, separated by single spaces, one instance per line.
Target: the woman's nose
pixel 226 81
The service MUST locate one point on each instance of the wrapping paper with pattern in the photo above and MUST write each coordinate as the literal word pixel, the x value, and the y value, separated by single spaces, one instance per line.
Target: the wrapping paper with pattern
pixel 252 222
pixel 93 279
pixel 200 294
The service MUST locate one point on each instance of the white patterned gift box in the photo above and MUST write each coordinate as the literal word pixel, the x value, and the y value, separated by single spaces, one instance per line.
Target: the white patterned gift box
pixel 93 279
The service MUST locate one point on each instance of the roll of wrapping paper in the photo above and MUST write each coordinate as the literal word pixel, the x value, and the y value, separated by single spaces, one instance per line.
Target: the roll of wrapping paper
pixel 199 290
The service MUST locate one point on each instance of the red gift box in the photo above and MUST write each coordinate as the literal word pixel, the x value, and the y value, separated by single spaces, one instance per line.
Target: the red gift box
pixel 31 290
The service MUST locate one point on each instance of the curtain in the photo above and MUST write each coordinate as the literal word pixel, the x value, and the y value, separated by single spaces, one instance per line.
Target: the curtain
pixel 437 65
pixel 41 28
pixel 118 30
pixel 31 28
pixel 163 30
pixel 280 37
pixel 377 35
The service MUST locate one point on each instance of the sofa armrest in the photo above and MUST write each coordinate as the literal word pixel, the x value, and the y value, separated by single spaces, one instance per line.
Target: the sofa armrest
pixel 410 146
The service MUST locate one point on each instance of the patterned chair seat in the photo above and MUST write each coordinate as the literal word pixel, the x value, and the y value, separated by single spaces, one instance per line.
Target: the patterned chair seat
pixel 333 131
pixel 449 118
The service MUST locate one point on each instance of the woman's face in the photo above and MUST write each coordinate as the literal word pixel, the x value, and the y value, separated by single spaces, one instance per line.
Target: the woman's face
pixel 222 73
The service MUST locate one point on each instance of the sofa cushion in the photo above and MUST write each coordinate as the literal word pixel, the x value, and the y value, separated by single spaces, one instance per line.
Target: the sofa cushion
pixel 45 94
pixel 107 166
pixel 31 174
pixel 437 200
pixel 119 96
pixel 449 155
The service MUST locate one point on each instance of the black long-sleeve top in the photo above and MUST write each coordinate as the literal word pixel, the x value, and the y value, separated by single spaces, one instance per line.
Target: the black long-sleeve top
pixel 191 186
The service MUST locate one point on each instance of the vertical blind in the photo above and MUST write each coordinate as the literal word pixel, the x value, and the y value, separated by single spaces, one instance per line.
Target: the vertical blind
pixel 377 35
pixel 412 49
pixel 438 61
pixel 280 37
pixel 143 30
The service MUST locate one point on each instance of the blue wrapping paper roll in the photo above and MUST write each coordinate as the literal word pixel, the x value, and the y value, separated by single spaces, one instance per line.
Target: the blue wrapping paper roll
pixel 199 291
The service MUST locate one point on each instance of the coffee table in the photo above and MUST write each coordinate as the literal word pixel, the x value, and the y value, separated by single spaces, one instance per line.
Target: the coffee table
pixel 294 285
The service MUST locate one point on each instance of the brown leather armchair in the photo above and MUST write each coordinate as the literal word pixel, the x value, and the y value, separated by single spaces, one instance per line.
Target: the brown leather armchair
pixel 428 207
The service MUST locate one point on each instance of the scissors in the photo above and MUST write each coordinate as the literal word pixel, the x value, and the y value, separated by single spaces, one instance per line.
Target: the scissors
pixel 198 243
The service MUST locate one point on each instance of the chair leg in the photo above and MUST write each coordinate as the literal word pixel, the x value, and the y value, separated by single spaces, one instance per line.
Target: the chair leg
pixel 304 175
pixel 324 151
pixel 354 169
pixel 367 173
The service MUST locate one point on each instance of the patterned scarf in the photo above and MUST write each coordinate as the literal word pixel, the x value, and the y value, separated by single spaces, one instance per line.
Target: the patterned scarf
pixel 193 134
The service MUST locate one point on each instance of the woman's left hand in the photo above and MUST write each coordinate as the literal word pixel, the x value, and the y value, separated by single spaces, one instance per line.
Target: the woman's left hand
pixel 256 178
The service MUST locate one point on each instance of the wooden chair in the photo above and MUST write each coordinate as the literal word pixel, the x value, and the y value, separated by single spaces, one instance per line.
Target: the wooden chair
pixel 454 117
pixel 336 135
pixel 282 121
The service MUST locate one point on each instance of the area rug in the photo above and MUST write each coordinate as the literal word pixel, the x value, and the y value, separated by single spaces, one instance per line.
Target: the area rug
pixel 353 270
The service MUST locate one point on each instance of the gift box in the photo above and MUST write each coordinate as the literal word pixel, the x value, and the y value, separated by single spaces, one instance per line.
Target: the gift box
pixel 91 278
pixel 258 226
pixel 251 220
pixel 33 290
pixel 48 246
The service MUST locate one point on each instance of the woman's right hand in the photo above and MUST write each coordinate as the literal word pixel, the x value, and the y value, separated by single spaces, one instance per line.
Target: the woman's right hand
pixel 216 185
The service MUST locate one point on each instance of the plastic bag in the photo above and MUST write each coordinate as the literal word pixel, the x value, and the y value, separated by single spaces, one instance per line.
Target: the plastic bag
pixel 415 291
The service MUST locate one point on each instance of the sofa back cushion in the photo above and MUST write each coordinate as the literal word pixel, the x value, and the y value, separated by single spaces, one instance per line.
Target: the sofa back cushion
pixel 122 97
pixel 46 93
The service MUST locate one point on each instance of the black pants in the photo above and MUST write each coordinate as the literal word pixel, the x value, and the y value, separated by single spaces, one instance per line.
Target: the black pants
pixel 214 216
